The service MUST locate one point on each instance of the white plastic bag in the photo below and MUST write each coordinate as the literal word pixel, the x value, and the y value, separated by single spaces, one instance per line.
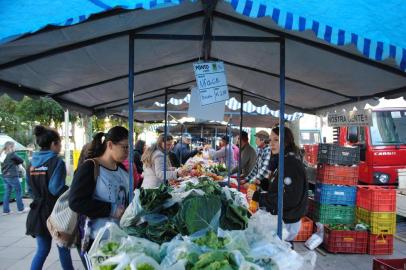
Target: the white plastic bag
pixel 133 210
pixel 317 238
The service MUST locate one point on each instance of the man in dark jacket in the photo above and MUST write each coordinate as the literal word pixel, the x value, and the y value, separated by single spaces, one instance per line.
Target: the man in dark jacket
pixel 182 149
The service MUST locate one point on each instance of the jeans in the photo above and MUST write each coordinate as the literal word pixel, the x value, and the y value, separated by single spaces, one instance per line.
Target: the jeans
pixel 9 184
pixel 43 247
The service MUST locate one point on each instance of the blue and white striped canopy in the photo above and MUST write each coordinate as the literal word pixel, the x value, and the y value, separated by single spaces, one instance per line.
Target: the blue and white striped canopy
pixel 376 28
pixel 337 52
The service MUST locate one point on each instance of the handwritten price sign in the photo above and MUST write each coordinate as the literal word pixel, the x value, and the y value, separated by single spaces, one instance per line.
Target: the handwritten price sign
pixel 211 82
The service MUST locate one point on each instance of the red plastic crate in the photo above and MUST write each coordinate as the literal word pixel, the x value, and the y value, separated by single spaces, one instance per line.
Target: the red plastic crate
pixel 377 198
pixel 337 175
pixel 389 264
pixel 306 230
pixel 336 241
pixel 311 152
pixel 380 244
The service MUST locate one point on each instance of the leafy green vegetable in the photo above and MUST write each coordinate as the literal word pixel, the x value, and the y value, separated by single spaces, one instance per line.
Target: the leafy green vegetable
pixel 107 267
pixel 151 199
pixel 207 185
pixel 212 241
pixel 215 260
pixel 158 232
pixel 197 213
pixel 233 217
pixel 145 266
pixel 110 248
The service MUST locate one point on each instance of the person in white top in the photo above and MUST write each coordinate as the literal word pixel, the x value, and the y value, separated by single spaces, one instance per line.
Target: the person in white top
pixel 153 161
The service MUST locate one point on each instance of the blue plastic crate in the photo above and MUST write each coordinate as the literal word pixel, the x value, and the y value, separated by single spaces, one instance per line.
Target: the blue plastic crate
pixel 336 195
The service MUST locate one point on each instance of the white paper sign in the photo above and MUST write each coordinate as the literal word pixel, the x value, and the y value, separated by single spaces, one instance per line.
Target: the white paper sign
pixel 211 82
pixel 353 118
pixel 213 111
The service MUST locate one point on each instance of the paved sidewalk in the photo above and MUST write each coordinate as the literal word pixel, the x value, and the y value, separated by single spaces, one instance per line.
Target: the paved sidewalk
pixel 17 250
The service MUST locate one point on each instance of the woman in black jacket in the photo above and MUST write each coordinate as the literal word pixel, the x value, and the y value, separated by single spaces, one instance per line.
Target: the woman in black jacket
pixel 294 189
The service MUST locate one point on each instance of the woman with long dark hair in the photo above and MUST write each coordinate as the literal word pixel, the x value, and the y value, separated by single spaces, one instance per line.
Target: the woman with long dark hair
pixel 103 199
pixel 295 185
pixel 46 177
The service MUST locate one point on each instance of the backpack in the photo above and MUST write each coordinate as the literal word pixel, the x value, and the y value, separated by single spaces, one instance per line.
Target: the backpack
pixel 62 223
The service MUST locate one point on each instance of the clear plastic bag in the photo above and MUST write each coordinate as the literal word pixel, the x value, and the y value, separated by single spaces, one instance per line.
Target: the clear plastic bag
pixel 143 260
pixel 133 210
pixel 134 245
pixel 177 250
pixel 263 225
pixel 235 196
pixel 118 262
pixel 106 243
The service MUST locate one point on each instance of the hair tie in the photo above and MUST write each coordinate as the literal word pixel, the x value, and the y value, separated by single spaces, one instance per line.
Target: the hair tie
pixel 103 138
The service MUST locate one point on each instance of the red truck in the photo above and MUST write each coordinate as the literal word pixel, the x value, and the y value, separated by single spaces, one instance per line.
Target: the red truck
pixel 382 146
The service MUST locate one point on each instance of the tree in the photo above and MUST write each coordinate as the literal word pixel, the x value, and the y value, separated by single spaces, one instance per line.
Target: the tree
pixel 44 111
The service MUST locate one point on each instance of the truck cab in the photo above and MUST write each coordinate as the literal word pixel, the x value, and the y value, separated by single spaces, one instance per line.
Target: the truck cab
pixel 382 146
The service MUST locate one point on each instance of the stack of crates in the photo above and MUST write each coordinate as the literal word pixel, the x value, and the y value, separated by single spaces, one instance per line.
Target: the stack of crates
pixel 376 207
pixel 335 198
pixel 337 176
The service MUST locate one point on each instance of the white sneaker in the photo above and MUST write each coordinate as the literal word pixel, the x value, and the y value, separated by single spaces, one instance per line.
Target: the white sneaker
pixel 25 210
pixel 6 214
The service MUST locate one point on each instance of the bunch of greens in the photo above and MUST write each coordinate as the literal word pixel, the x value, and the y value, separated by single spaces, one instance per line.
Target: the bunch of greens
pixel 340 227
pixel 153 199
pixel 218 169
pixel 212 241
pixel 145 266
pixel 197 213
pixel 207 185
pixel 110 248
pixel 193 214
pixel 156 232
pixel 214 260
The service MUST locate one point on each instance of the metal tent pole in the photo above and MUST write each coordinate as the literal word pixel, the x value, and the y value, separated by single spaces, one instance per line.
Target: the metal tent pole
pixel 230 152
pixel 166 134
pixel 239 157
pixel 181 144
pixel 131 113
pixel 281 136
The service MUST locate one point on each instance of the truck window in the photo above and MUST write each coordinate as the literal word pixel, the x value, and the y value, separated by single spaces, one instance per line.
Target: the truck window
pixel 389 127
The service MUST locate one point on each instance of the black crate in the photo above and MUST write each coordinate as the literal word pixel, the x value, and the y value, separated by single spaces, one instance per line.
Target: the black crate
pixel 335 154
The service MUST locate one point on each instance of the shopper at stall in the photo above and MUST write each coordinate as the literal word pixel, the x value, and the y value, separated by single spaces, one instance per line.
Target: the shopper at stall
pixel 103 199
pixel 182 149
pixel 154 159
pixel 10 163
pixel 139 149
pixel 259 173
pixel 47 173
pixel 248 157
pixel 224 154
pixel 295 185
